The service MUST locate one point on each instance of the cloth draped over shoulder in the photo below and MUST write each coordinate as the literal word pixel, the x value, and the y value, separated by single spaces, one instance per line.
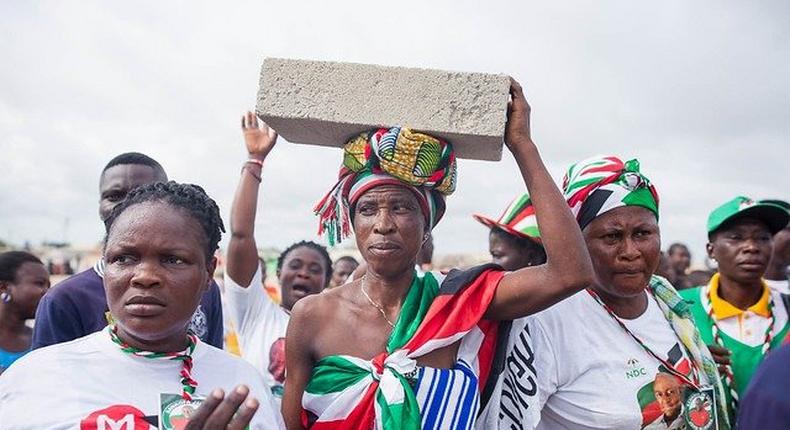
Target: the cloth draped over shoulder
pixel 678 313
pixel 424 164
pixel 348 392
pixel 601 183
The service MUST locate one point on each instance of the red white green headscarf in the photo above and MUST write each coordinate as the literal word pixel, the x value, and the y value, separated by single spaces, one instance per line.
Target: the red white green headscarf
pixel 518 219
pixel 399 156
pixel 602 183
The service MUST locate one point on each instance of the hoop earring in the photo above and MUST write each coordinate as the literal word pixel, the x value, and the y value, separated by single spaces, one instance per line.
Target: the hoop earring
pixel 5 297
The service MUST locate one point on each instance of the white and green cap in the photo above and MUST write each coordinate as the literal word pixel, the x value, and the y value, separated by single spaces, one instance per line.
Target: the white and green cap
pixel 773 215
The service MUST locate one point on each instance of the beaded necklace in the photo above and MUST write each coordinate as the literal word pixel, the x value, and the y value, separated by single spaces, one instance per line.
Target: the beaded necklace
pixel 693 381
pixel 187 383
pixel 729 379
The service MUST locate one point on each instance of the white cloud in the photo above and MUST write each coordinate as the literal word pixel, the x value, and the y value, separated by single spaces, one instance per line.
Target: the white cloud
pixel 697 90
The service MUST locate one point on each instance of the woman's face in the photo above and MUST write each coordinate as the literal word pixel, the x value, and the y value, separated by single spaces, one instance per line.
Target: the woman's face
pixel 156 272
pixel 508 252
pixel 303 273
pixel 625 247
pixel 390 229
pixel 30 284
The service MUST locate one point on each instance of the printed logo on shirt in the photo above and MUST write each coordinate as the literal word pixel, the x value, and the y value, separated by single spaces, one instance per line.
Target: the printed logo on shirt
pixel 199 323
pixel 519 386
pixel 175 411
pixel 117 417
pixel 634 369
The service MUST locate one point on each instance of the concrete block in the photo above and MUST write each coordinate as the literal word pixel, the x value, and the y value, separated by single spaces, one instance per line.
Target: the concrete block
pixel 326 103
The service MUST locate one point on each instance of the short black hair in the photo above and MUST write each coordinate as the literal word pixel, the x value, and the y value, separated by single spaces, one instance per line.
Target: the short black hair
pixel 11 261
pixel 672 248
pixel 188 197
pixel 349 259
pixel 135 158
pixel 528 245
pixel 314 246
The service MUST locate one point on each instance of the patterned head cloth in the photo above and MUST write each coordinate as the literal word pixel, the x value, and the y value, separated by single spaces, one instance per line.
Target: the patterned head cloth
pixel 399 156
pixel 518 219
pixel 602 183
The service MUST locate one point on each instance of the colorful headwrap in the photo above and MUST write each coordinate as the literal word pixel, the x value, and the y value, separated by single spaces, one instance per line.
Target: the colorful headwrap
pixel 399 156
pixel 518 219
pixel 602 183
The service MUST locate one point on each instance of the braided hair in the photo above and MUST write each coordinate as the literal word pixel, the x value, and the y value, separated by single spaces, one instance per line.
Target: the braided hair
pixel 314 246
pixel 188 197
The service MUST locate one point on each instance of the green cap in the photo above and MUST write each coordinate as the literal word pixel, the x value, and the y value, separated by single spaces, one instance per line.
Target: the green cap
pixel 773 215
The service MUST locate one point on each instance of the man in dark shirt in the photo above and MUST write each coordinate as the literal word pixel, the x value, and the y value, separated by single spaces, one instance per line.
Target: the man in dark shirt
pixel 77 306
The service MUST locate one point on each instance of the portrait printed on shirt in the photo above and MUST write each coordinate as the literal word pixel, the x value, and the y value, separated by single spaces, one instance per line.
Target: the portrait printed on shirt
pixel 277 365
pixel 668 403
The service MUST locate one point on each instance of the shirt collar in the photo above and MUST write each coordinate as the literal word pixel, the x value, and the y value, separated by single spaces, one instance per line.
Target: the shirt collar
pixel 99 267
pixel 723 309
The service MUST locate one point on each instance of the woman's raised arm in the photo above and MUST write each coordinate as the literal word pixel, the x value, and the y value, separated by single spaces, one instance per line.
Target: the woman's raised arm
pixel 568 268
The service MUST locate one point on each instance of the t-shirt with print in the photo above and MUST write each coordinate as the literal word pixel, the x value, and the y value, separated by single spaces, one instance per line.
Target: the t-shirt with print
pixel 77 306
pixel 742 332
pixel 514 400
pixel 592 375
pixel 261 326
pixel 89 383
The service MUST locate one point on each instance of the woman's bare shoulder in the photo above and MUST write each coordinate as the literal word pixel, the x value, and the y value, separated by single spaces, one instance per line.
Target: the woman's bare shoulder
pixel 326 305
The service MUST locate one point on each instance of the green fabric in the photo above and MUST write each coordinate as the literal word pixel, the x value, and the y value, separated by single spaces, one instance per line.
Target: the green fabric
pixel 773 214
pixel 418 300
pixel 642 197
pixel 400 416
pixel 332 374
pixel 745 359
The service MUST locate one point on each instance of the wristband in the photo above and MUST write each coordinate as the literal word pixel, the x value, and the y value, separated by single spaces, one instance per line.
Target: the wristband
pixel 255 161
pixel 254 175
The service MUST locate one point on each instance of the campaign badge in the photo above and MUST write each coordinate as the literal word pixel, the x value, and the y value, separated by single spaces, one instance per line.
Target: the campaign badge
pixel 175 411
pixel 699 409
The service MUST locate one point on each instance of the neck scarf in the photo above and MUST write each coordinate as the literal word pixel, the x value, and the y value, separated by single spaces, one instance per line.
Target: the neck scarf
pixel 602 183
pixel 678 313
pixel 397 156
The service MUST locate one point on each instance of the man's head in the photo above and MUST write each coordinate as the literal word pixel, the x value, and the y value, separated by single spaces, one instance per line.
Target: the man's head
pixel 124 173
pixel 668 392
pixel 679 258
pixel 740 237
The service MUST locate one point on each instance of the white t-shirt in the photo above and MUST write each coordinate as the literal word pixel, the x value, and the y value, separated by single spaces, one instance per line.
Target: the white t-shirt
pixel 89 383
pixel 261 326
pixel 591 374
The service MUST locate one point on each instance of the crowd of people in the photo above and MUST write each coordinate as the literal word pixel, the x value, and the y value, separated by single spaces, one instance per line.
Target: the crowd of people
pixel 580 320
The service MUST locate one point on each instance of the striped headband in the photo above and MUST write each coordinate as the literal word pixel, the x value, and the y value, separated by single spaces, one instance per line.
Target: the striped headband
pixel 398 156
pixel 518 219
pixel 602 183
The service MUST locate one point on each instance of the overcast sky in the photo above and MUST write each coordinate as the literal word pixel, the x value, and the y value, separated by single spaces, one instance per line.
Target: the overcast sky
pixel 698 91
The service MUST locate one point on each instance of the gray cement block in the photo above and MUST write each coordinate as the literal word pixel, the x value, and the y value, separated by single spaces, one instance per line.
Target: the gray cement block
pixel 326 103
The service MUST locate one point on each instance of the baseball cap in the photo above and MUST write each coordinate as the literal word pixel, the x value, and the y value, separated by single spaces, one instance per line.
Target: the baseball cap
pixel 772 214
pixel 518 219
